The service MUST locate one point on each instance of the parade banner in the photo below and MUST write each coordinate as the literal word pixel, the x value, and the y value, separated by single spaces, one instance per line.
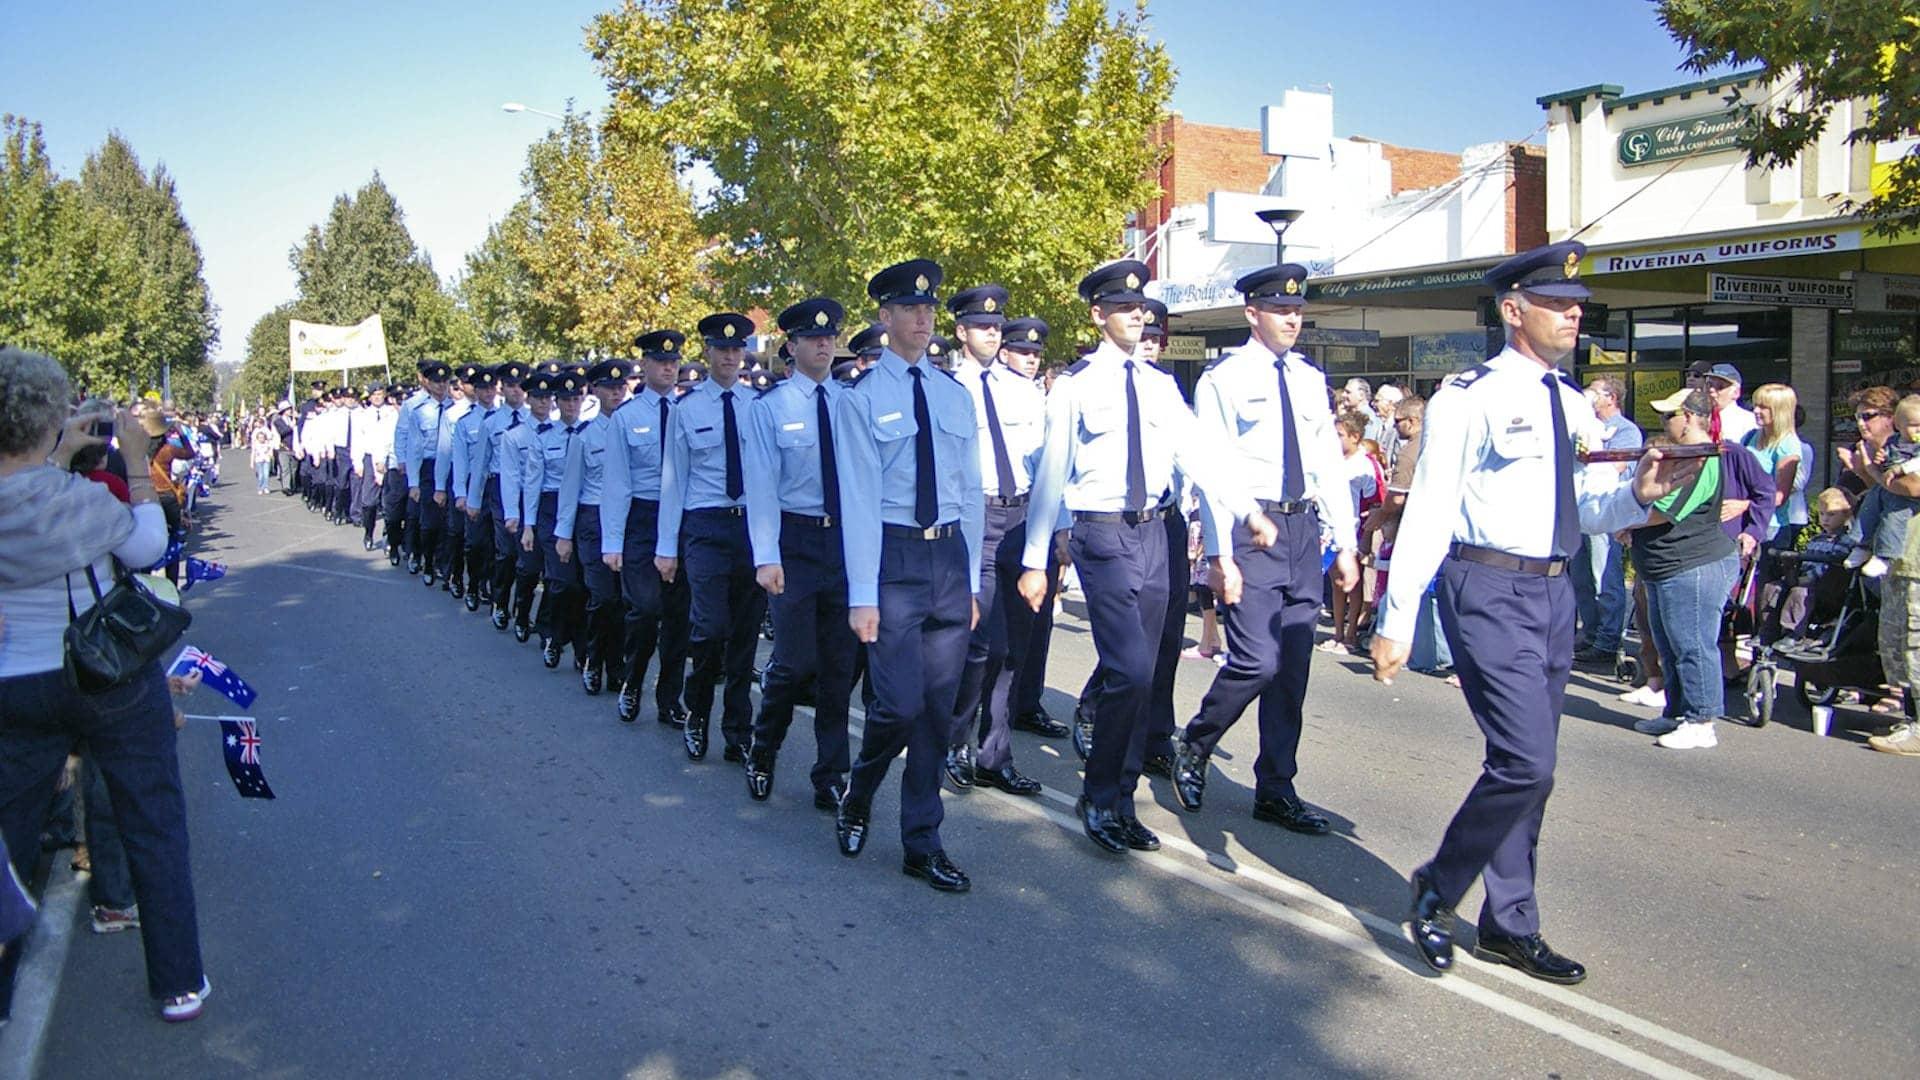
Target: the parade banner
pixel 318 347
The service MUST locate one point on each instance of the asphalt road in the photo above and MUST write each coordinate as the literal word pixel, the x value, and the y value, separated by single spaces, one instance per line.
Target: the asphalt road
pixel 475 870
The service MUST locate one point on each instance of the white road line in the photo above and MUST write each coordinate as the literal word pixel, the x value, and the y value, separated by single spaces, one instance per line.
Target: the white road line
pixel 305 569
pixel 37 983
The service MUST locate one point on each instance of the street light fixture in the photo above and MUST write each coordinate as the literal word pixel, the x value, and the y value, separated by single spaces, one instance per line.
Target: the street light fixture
pixel 516 107
pixel 1280 221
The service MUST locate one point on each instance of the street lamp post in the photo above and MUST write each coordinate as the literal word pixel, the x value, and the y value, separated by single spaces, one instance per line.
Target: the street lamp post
pixel 1280 221
pixel 516 107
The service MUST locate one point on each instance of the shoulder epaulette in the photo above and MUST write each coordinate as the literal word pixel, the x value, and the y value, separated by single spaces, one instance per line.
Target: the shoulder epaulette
pixel 1078 366
pixel 1472 375
pixel 950 375
pixel 769 390
pixel 864 374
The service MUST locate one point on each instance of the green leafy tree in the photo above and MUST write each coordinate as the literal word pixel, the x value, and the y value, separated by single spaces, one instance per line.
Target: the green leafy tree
pixel 265 372
pixel 1834 51
pixel 362 261
pixel 496 290
pixel 173 324
pixel 1008 139
pixel 70 272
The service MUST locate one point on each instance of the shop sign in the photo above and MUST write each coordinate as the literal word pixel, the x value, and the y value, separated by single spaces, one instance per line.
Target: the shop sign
pixel 1455 351
pixel 1713 133
pixel 1792 292
pixel 1387 283
pixel 1185 296
pixel 1730 251
pixel 1888 292
pixel 1360 339
pixel 1184 347
pixel 1873 336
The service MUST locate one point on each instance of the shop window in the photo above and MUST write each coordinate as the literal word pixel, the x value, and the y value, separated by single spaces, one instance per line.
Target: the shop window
pixel 1870 348
pixel 1659 336
pixel 1755 340
pixel 1648 385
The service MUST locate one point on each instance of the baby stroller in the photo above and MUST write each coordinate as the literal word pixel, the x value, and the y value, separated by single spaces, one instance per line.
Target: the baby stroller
pixel 1838 648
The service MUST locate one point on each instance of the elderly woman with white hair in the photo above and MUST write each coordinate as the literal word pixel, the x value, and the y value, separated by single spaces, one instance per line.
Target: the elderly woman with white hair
pixel 60 532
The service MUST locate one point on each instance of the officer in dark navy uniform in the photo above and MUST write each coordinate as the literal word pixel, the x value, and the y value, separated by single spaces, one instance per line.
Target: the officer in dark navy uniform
pixel 1023 340
pixel 584 510
pixel 488 471
pixel 656 610
pixel 866 347
pixel 910 473
pixel 563 606
pixel 1116 428
pixel 521 503
pixel 429 519
pixel 1270 407
pixel 703 531
pixel 1498 506
pixel 794 516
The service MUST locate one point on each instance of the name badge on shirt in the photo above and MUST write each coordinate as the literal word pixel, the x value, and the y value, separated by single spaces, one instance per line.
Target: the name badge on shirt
pixel 889 417
pixel 642 430
pixel 797 425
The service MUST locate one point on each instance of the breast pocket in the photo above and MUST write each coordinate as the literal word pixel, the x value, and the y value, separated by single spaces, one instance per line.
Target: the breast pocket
pixel 795 435
pixel 1250 413
pixel 1097 423
pixel 1521 442
pixel 640 436
pixel 704 438
pixel 954 426
pixel 893 426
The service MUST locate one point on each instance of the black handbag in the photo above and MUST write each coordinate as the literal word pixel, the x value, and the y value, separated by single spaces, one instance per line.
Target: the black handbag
pixel 121 636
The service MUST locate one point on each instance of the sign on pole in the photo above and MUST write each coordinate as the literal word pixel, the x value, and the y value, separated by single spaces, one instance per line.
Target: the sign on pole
pixel 318 347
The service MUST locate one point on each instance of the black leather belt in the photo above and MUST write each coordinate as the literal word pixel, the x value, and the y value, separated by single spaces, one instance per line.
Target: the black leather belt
pixel 650 504
pixel 1285 506
pixel 1122 517
pixel 822 522
pixel 914 532
pixel 1489 557
pixel 1007 500
pixel 1171 511
pixel 721 511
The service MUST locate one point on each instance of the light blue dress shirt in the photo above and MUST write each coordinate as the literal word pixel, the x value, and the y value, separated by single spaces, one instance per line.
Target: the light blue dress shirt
pixel 1238 401
pixel 634 472
pixel 584 482
pixel 1022 410
pixel 516 445
pixel 782 436
pixel 874 429
pixel 546 462
pixel 694 475
pixel 423 435
pixel 485 461
pixel 1083 459
pixel 1486 478
pixel 468 440
pixel 448 449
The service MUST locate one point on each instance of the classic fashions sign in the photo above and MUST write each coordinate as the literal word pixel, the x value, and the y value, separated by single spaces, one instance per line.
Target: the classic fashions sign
pixel 1710 134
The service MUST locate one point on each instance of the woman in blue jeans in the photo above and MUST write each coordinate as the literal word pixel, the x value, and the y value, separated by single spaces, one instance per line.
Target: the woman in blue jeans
pixel 55 526
pixel 1689 564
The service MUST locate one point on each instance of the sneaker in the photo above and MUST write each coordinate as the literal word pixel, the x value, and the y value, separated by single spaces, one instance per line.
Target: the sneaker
pixel 1904 740
pixel 1874 567
pixel 1655 725
pixel 1856 558
pixel 1645 695
pixel 184 1007
pixel 109 920
pixel 1332 646
pixel 1692 735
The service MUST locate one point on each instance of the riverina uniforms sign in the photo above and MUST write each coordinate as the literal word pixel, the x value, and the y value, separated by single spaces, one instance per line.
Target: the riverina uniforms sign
pixel 1687 137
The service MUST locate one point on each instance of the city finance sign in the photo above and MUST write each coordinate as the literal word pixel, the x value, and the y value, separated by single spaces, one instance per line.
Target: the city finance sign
pixel 1689 137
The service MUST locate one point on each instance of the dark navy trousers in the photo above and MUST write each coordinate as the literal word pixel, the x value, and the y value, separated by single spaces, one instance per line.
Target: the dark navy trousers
pixel 432 540
pixel 603 621
pixel 926 616
pixel 727 606
pixel 1123 572
pixel 999 643
pixel 563 606
pixel 1173 636
pixel 393 506
pixel 656 611
pixel 812 642
pixel 1269 650
pixel 1512 639
pixel 1030 671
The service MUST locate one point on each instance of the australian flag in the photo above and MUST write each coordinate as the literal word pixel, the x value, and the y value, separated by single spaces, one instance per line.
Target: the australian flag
pixel 202 570
pixel 213 675
pixel 242 746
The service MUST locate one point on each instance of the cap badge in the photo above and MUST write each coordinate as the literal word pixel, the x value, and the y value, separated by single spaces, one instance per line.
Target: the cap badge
pixel 1033 335
pixel 668 345
pixel 819 318
pixel 728 330
pixel 989 305
pixel 1152 317
pixel 920 283
pixel 883 341
pixel 1293 286
pixel 1133 281
pixel 1572 266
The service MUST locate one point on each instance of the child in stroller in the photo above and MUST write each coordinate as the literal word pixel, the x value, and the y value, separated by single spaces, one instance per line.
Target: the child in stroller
pixel 1802 590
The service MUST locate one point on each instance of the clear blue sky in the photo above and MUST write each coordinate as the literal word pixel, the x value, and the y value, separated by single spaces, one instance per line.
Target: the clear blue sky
pixel 265 112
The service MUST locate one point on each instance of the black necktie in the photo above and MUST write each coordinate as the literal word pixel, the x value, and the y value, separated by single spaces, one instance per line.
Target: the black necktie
pixel 925 503
pixel 1136 460
pixel 663 425
pixel 736 482
pixel 515 422
pixel 1002 465
pixel 829 469
pixel 1293 480
pixel 1566 516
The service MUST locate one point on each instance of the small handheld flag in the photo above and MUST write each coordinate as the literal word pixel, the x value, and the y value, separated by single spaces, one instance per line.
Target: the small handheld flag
pixel 241 744
pixel 202 570
pixel 214 675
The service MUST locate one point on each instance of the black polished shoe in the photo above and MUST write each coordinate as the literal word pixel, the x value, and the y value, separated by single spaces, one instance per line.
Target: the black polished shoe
pixel 550 652
pixel 850 825
pixel 672 716
pixel 473 601
pixel 1587 654
pixel 759 776
pixel 1189 776
pixel 828 799
pixel 446 585
pixel 1102 826
pixel 938 871
pixel 500 616
pixel 426 576
pixel 695 737
pixel 734 752
pixel 1531 954
pixel 1138 836
pixel 458 590
pixel 1082 734
pixel 1008 779
pixel 1039 723
pixel 1291 814
pixel 521 632
pixel 1160 765
pixel 1431 922
pixel 413 564
pixel 629 706
pixel 960 767
pixel 593 679
pixel 393 556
